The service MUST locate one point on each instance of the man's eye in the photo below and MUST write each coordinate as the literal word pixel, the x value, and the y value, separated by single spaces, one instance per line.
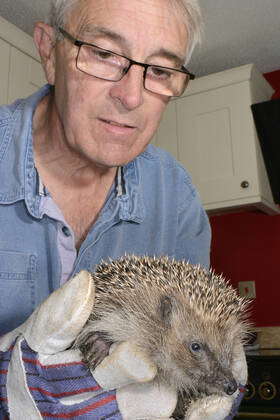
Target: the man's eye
pixel 99 57
pixel 103 55
pixel 160 73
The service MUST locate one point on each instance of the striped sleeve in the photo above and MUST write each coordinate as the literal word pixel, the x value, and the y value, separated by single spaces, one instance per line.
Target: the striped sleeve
pixel 5 358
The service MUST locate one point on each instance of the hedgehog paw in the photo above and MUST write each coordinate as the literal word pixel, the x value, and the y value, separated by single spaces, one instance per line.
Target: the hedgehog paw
pixel 94 348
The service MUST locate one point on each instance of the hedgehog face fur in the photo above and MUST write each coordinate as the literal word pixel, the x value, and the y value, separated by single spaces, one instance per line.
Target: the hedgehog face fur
pixel 187 319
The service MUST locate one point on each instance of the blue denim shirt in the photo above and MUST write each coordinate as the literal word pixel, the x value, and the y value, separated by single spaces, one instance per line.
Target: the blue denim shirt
pixel 157 213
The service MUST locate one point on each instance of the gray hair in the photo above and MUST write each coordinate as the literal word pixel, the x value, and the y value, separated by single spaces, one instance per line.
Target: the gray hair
pixel 59 14
pixel 189 9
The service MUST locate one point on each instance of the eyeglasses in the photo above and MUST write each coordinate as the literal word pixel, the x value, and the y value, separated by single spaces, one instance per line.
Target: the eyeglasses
pixel 108 65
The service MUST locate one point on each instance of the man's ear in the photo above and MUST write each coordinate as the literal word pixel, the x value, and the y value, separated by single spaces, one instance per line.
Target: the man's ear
pixel 44 39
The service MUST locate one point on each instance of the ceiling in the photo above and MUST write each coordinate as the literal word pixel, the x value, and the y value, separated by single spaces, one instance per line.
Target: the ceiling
pixel 237 32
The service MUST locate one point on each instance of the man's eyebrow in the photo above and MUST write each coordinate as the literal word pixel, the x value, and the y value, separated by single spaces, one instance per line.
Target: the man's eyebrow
pixel 95 30
pixel 170 55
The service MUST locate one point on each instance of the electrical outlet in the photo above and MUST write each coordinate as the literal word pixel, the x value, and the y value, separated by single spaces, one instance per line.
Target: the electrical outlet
pixel 247 289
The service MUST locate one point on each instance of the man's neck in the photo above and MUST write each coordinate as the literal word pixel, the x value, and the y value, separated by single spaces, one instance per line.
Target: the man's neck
pixel 53 154
pixel 77 186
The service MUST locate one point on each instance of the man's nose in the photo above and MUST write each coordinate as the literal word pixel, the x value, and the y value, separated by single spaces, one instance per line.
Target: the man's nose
pixel 129 90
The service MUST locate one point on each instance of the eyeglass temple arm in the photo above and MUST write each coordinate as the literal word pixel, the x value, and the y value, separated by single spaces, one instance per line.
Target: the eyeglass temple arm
pixel 191 75
pixel 68 36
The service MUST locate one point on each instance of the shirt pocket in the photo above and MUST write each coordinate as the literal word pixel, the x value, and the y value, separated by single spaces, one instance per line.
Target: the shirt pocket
pixel 17 288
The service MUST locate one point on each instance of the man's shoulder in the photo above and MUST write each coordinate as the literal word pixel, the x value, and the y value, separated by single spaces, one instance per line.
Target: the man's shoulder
pixel 14 111
pixel 159 169
pixel 160 159
pixel 7 112
pixel 159 156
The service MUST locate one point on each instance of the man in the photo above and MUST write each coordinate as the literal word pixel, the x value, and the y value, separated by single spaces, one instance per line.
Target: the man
pixel 79 182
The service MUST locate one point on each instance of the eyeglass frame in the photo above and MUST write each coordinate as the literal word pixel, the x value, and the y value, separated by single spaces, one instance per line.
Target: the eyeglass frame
pixel 78 43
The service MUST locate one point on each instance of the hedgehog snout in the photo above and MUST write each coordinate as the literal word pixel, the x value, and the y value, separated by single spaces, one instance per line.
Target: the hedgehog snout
pixel 230 386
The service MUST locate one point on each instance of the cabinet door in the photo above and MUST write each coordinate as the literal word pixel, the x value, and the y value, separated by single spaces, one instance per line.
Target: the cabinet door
pixel 4 71
pixel 217 143
pixel 166 136
pixel 26 75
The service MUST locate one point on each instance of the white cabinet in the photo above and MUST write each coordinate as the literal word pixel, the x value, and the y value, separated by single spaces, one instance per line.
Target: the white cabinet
pixel 20 71
pixel 211 131
pixel 166 135
pixel 26 75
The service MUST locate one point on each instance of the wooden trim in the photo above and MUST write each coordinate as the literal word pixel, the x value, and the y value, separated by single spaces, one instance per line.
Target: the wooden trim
pixel 256 416
pixel 228 78
pixel 18 38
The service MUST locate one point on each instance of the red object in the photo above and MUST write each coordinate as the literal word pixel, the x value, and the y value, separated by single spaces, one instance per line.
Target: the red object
pixel 246 247
pixel 273 79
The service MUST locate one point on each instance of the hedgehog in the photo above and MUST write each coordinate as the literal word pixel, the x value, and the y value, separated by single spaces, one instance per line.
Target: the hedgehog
pixel 186 318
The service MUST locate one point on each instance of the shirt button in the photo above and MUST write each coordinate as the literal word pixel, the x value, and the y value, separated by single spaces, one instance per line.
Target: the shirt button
pixel 66 231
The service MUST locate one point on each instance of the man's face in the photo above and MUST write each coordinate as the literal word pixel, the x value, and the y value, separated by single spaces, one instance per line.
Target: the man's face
pixel 110 123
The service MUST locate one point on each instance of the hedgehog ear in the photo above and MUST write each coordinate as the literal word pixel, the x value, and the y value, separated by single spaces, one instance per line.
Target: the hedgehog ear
pixel 165 309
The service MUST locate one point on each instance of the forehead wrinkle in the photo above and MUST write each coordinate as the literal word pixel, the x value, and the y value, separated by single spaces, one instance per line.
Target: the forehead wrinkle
pixel 95 30
pixel 163 52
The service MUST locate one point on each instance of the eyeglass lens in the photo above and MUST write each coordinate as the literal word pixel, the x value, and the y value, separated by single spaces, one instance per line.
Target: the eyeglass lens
pixel 109 66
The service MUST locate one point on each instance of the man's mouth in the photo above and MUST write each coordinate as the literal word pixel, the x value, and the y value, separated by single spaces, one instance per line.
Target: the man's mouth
pixel 117 124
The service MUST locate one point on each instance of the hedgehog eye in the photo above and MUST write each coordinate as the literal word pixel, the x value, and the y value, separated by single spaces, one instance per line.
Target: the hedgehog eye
pixel 195 347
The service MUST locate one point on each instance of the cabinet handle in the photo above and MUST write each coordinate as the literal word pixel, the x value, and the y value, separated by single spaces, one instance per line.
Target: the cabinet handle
pixel 244 184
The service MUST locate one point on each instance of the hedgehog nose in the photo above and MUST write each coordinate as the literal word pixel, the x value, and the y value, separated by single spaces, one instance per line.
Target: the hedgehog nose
pixel 230 387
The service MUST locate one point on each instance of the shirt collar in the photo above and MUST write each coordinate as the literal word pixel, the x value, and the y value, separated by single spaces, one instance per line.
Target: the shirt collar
pixel 17 171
